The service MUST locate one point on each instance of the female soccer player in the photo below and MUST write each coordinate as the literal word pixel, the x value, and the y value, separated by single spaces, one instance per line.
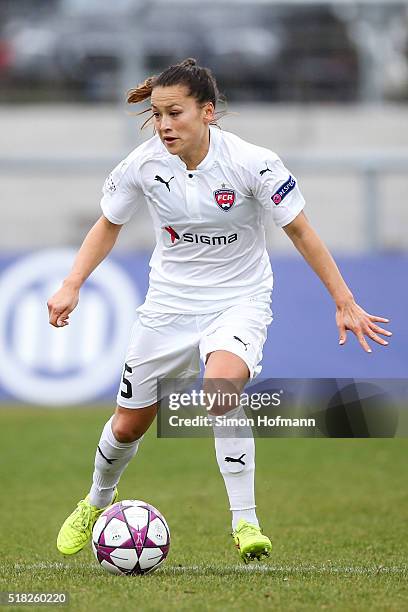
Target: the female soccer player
pixel 210 282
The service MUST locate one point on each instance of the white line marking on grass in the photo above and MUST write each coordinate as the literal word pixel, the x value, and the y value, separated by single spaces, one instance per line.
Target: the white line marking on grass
pixel 285 569
pixel 233 569
pixel 56 565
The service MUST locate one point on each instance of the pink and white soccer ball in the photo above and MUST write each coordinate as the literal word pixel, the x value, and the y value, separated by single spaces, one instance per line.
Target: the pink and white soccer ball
pixel 131 537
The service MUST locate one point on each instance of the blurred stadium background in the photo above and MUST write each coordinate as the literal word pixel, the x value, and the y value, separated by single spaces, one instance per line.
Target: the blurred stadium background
pixel 325 84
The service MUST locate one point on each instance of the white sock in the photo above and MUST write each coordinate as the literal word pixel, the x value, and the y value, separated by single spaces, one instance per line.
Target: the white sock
pixel 111 459
pixel 236 442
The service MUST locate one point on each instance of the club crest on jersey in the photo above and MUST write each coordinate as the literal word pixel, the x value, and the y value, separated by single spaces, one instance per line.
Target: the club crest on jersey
pixel 283 191
pixel 224 197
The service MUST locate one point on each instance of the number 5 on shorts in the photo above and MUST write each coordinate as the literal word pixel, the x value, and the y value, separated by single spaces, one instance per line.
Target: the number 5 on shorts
pixel 128 392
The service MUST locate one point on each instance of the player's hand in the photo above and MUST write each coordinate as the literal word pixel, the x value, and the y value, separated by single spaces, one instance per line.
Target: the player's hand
pixel 61 304
pixel 350 316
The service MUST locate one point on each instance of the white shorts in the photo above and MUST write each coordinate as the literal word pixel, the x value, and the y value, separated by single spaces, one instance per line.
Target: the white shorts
pixel 164 345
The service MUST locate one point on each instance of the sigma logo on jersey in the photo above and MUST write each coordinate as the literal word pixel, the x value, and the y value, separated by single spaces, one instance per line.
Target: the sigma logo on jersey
pixel 200 238
pixel 283 191
pixel 173 234
pixel 225 198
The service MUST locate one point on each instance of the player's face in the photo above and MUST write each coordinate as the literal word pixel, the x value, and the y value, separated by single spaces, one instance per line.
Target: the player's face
pixel 181 122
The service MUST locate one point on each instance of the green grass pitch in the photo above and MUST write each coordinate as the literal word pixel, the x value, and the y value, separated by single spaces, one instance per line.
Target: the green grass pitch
pixel 336 511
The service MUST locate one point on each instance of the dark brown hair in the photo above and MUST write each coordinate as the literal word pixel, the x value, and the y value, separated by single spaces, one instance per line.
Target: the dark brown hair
pixel 199 81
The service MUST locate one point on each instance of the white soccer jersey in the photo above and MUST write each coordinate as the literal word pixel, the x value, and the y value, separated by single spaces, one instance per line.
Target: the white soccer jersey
pixel 209 222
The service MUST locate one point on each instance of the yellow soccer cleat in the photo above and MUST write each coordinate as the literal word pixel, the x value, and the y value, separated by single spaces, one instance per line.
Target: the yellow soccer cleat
pixel 76 530
pixel 251 542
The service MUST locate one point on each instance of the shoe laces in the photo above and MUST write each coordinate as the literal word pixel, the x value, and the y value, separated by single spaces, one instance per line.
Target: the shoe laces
pixel 83 515
pixel 248 529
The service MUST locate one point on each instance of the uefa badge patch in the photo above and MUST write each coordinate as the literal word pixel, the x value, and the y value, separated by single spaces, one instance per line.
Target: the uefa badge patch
pixel 283 191
pixel 224 198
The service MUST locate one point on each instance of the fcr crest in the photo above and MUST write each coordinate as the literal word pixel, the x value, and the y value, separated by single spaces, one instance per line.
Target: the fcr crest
pixel 225 198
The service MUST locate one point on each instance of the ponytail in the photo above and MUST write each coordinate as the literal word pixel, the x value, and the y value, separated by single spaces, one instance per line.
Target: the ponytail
pixel 188 63
pixel 141 92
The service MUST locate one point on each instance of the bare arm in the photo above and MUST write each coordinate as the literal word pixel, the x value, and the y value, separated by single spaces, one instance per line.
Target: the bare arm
pixel 349 315
pixel 96 246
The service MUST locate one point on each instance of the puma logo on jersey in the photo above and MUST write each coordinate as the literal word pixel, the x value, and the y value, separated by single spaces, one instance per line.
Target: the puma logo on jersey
pixel 242 342
pixel 173 234
pixel 262 172
pixel 161 180
pixel 239 460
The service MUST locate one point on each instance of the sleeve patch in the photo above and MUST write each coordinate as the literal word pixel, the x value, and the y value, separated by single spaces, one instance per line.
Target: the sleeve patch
pixel 110 184
pixel 283 190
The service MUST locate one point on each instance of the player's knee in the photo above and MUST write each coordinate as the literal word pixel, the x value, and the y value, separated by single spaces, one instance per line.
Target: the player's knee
pixel 227 366
pixel 222 395
pixel 125 432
